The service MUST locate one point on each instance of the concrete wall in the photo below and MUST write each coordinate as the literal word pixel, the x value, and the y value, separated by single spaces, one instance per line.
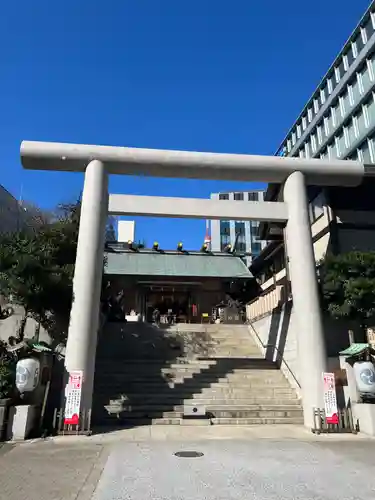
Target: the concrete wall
pixel 278 332
pixel 278 328
pixel 9 326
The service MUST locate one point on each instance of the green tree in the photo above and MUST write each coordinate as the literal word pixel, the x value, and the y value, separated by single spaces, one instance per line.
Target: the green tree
pixel 347 283
pixel 36 268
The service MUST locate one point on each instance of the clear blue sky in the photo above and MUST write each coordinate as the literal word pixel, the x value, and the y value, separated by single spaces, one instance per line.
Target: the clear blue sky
pixel 205 75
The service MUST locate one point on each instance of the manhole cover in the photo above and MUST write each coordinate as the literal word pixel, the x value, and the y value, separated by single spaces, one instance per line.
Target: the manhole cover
pixel 189 454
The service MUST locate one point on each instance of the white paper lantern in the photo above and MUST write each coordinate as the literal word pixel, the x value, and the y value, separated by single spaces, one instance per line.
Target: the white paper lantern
pixel 27 374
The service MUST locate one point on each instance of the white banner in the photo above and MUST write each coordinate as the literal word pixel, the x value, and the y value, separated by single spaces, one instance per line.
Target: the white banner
pixel 330 401
pixel 73 392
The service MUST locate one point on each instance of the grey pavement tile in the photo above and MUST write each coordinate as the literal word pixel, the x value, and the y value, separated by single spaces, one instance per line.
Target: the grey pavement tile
pixel 233 470
pixel 46 471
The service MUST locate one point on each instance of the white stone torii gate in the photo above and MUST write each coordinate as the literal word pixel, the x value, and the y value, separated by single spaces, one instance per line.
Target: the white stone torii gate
pixel 99 161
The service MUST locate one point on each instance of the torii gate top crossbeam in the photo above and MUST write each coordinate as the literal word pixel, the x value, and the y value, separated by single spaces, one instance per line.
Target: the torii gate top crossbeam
pixel 190 165
pixel 196 208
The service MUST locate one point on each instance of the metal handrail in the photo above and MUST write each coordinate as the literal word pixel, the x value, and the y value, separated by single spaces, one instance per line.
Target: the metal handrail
pixel 273 346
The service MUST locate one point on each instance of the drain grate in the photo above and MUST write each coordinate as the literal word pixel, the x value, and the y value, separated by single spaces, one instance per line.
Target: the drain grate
pixel 189 454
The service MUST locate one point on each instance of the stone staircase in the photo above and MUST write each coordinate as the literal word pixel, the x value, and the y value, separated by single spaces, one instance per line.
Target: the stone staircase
pixel 146 375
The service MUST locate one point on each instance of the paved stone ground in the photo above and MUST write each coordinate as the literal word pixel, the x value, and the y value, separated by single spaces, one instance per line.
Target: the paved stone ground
pixel 235 470
pixel 264 464
pixel 45 470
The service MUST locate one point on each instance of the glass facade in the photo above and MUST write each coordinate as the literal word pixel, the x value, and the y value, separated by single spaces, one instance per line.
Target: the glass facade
pixel 244 233
pixel 340 116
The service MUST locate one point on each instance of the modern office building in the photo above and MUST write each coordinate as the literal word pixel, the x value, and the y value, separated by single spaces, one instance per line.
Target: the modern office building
pixel 245 235
pixel 338 121
pixel 14 216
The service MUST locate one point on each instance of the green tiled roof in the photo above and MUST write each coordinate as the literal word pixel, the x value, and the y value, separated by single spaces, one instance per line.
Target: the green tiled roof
pixel 355 349
pixel 174 264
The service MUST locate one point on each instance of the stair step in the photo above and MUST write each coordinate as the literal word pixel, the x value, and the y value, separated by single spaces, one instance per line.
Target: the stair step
pixel 157 407
pixel 117 359
pixel 146 374
pixel 213 421
pixel 297 412
pixel 206 393
pixel 208 402
pixel 187 369
pixel 189 359
pixel 190 385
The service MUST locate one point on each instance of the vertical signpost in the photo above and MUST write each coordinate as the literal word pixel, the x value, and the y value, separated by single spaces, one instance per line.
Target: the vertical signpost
pixel 330 401
pixel 73 398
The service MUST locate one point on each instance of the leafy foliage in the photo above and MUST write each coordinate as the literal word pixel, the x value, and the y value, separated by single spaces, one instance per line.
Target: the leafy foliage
pixel 36 268
pixel 7 372
pixel 347 283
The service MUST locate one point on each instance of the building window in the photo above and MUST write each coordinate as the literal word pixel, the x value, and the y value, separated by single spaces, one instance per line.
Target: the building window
pixel 329 86
pixel 340 144
pixel 299 131
pixel 307 150
pixel 241 247
pixel 365 114
pixel 223 196
pixel 365 152
pixel 317 207
pixel 254 230
pixel 371 111
pixel 326 126
pixel 323 94
pixel 289 145
pixel 339 71
pixel 253 196
pixel 355 91
pixel 309 115
pixel 331 123
pixel 351 133
pixel 304 123
pixel 359 43
pixel 350 57
pixel 313 143
pixel 354 156
pixel 368 29
pixel 336 115
pixel 316 105
pixel 346 63
pixel 240 228
pixel 225 227
pixel 294 138
pixel 224 234
pixel 345 103
pixel 346 137
pixel 365 79
pixel 256 248
pixel 372 64
pixel 372 148
pixel 355 125
pixel 238 196
pixel 332 153
pixel 361 123
pixel 224 242
pixel 301 153
pixel 319 134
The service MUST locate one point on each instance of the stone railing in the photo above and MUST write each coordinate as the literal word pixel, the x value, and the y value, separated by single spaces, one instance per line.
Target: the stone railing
pixel 266 303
